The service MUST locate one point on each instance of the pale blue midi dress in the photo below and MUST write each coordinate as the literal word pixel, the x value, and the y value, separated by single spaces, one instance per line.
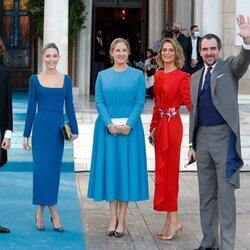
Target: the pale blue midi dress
pixel 118 163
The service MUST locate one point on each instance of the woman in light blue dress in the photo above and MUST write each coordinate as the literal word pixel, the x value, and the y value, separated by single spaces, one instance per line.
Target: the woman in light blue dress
pixel 118 167
pixel 48 92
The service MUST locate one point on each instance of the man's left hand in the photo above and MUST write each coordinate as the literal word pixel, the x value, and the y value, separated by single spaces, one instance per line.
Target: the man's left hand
pixel 244 26
pixel 5 143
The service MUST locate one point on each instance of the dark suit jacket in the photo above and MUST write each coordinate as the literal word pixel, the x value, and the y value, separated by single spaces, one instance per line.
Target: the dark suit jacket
pixel 189 54
pixel 97 56
pixel 6 120
pixel 224 91
pixel 182 39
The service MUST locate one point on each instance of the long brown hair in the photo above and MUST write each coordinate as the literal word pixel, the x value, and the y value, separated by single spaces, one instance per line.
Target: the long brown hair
pixel 2 47
pixel 179 56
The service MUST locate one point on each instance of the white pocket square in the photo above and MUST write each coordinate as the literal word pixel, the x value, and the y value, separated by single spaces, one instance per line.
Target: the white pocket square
pixel 219 76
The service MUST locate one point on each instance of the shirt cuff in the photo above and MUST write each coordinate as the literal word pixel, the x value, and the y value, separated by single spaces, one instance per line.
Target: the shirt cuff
pixel 8 134
pixel 246 46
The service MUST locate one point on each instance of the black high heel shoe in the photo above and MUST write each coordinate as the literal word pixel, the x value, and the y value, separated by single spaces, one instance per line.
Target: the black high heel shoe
pixel 57 229
pixel 118 234
pixel 112 232
pixel 39 228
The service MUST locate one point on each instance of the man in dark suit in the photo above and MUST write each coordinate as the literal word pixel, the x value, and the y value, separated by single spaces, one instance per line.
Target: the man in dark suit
pixel 194 59
pixel 100 57
pixel 182 39
pixel 214 135
pixel 6 122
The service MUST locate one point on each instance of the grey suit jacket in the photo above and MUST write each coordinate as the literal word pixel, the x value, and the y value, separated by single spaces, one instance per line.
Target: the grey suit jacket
pixel 224 90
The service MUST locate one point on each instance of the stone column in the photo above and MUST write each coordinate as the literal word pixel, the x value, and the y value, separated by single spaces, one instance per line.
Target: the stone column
pixel 182 13
pixel 155 24
pixel 56 29
pixel 84 53
pixel 211 13
pixel 198 14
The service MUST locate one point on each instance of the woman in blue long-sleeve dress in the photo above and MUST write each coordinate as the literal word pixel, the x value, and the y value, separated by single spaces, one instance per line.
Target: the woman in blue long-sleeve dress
pixel 118 166
pixel 48 91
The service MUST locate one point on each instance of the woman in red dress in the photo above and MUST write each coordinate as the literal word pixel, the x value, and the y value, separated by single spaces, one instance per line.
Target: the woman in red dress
pixel 171 90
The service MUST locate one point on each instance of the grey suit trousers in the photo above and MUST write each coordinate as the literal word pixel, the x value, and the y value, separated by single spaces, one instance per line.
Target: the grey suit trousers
pixel 217 196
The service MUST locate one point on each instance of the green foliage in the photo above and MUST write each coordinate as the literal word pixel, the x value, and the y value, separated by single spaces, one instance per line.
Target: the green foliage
pixel 77 17
pixel 36 9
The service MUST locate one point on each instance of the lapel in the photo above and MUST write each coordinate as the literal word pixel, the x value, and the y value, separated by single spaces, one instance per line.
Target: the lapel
pixel 214 75
pixel 196 79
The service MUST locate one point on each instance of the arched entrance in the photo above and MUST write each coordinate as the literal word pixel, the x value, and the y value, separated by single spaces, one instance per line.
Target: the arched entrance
pixel 117 18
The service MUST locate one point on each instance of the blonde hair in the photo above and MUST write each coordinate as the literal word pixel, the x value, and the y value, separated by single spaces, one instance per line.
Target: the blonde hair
pixel 2 47
pixel 115 42
pixel 50 46
pixel 179 56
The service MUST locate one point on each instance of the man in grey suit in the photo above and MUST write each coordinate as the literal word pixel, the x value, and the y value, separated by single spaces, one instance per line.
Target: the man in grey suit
pixel 214 136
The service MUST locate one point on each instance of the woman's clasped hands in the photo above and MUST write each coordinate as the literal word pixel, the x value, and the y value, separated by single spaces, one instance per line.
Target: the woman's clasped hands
pixel 115 129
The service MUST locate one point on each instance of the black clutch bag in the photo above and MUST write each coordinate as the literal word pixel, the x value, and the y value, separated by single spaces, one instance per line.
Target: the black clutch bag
pixel 66 131
pixel 191 161
pixel 151 140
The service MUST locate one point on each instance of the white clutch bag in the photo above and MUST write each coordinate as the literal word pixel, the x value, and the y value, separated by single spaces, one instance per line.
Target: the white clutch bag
pixel 119 121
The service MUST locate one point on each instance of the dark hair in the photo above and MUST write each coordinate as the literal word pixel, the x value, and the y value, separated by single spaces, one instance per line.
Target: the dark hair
pixel 193 26
pixel 151 52
pixel 168 33
pixel 153 61
pixel 209 37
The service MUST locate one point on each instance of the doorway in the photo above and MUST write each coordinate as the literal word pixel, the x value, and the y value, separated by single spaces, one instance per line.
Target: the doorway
pixel 126 22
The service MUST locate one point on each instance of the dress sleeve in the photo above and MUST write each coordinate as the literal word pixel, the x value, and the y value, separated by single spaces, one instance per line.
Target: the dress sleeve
pixel 100 102
pixel 185 90
pixel 138 103
pixel 156 114
pixel 31 110
pixel 70 110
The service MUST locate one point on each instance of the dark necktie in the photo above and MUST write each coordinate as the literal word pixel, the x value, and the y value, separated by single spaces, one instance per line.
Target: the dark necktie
pixel 207 79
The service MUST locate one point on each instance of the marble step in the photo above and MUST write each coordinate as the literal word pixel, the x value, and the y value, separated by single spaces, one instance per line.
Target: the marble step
pixel 27 166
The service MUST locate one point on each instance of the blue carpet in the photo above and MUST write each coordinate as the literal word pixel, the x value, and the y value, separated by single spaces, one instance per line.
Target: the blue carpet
pixel 18 214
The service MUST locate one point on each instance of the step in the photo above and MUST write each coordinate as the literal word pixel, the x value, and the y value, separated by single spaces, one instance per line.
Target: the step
pixel 18 151
pixel 27 166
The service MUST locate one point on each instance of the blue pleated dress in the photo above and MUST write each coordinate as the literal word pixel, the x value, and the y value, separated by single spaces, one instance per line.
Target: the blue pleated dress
pixel 45 114
pixel 118 164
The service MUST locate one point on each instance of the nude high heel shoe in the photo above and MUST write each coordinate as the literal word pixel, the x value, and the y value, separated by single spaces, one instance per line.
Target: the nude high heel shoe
pixel 160 233
pixel 172 236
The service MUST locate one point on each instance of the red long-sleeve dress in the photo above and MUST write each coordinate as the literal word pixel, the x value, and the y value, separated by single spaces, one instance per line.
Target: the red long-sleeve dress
pixel 170 91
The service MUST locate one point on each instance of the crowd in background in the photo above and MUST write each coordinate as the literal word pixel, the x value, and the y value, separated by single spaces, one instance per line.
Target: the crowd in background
pixel 189 42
